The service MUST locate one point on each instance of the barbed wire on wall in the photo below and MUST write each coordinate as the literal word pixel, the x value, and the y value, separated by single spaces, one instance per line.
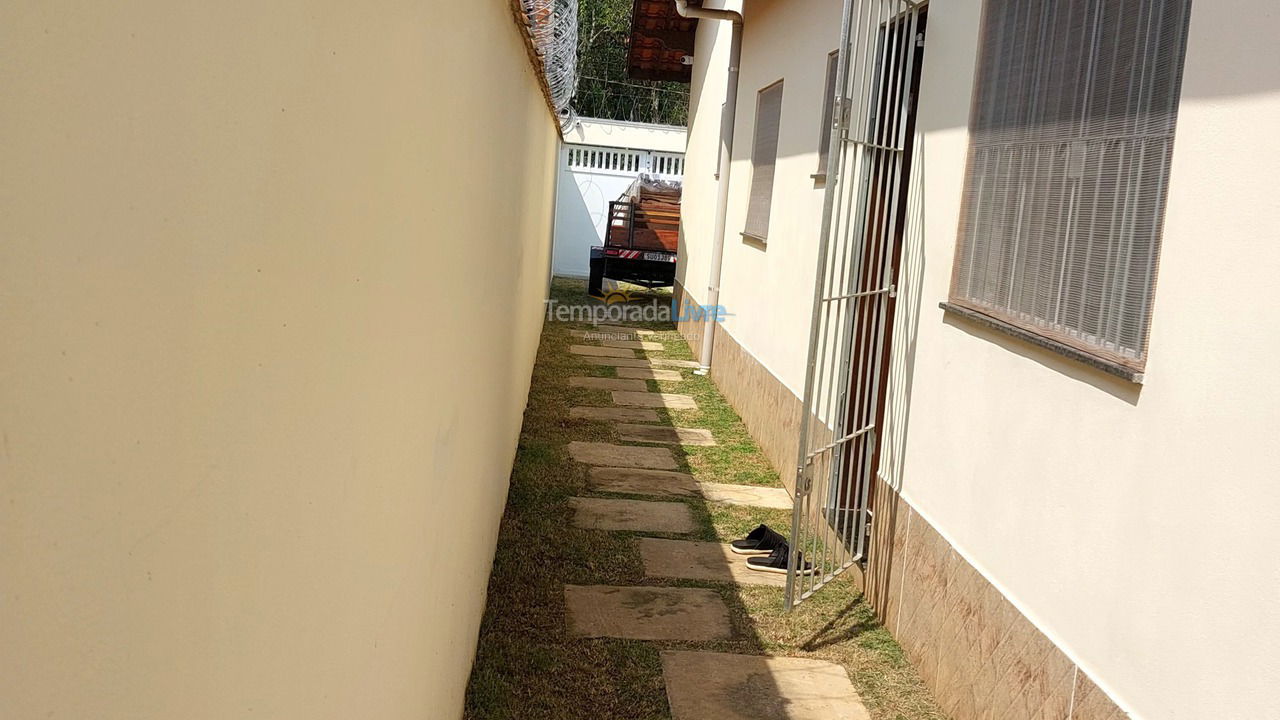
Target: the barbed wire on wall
pixel 554 26
pixel 605 90
pixel 633 101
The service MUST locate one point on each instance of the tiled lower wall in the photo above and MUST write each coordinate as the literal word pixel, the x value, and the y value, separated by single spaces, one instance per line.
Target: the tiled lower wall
pixel 978 654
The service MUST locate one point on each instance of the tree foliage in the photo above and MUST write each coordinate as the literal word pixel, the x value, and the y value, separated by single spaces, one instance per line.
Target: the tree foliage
pixel 604 90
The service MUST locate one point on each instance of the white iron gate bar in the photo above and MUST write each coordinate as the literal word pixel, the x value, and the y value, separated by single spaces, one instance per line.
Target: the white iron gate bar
pixel 854 290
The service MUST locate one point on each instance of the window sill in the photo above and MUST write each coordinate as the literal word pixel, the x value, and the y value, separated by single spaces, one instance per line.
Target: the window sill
pixel 819 178
pixel 1054 346
pixel 754 238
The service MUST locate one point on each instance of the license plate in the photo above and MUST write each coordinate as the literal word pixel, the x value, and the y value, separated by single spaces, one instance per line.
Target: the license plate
pixel 660 257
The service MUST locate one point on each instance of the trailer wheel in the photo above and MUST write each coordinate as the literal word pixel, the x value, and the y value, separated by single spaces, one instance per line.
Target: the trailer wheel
pixel 595 282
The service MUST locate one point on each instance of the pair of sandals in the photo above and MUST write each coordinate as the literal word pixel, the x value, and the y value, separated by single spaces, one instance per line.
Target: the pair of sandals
pixel 765 541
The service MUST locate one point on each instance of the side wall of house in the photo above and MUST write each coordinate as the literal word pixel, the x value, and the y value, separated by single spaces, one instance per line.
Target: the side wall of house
pixel 698 199
pixel 1132 525
pixel 1051 541
pixel 272 279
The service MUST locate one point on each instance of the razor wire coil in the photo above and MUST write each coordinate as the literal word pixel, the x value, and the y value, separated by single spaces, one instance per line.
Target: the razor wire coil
pixel 554 27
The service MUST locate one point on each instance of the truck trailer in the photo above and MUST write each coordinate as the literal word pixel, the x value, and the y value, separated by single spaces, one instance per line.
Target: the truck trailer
pixel 641 239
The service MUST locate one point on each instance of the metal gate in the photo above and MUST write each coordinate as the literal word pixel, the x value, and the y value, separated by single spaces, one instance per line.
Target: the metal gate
pixel 863 214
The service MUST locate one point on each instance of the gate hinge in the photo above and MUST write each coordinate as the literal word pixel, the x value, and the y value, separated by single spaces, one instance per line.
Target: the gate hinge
pixel 842 113
pixel 803 481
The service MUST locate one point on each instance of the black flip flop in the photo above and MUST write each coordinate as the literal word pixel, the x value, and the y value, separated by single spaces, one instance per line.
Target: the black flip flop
pixel 760 541
pixel 777 562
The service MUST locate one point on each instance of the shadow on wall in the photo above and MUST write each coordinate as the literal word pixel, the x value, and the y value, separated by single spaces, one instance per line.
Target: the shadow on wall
pixel 902 358
pixel 1110 384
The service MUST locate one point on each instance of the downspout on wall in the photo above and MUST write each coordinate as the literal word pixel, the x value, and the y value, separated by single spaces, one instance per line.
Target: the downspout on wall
pixel 727 120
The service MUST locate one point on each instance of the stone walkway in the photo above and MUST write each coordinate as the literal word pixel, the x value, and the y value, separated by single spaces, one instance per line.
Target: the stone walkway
pixel 700 685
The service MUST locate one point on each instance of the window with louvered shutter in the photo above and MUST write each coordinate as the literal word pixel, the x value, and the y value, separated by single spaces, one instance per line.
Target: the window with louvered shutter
pixel 764 155
pixel 1071 136
pixel 828 108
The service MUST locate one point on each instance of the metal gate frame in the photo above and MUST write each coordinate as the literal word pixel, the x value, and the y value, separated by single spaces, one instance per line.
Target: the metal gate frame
pixel 853 292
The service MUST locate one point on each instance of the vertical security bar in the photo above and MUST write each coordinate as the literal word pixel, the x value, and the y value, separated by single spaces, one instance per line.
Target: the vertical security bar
pixel 853 288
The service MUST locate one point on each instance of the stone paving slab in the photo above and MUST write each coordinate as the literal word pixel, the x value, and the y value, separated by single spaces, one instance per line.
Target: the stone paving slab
pixel 703 685
pixel 691 560
pixel 596 383
pixel 655 400
pixel 598 453
pixel 636 481
pixel 675 363
pixel 646 613
pixel 614 414
pixel 623 328
pixel 598 351
pixel 631 362
pixel 663 434
pixel 631 515
pixel 634 345
pixel 603 334
pixel 650 374
pixel 752 495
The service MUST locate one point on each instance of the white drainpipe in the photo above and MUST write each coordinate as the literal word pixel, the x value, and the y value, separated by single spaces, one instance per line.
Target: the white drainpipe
pixel 727 119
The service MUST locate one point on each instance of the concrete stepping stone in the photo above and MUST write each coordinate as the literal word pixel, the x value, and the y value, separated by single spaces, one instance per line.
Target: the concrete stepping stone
pixel 689 560
pixel 663 434
pixel 598 453
pixel 614 414
pixel 633 345
pixel 636 481
pixel 646 613
pixel 703 685
pixel 675 363
pixel 631 515
pixel 752 495
pixel 598 351
pixel 654 400
pixel 603 334
pixel 650 374
pixel 625 329
pixel 596 383
pixel 631 362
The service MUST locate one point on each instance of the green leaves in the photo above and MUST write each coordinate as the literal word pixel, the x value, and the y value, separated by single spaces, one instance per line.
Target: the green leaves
pixel 604 90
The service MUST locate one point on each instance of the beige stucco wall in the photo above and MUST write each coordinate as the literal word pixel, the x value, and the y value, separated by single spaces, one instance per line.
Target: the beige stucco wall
pixel 765 286
pixel 271 279
pixel 698 198
pixel 1132 525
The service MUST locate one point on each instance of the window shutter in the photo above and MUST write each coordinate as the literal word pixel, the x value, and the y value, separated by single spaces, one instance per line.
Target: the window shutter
pixel 764 155
pixel 1071 135
pixel 828 109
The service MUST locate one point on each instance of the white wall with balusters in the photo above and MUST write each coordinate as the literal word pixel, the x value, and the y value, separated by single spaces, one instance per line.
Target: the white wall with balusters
pixel 592 175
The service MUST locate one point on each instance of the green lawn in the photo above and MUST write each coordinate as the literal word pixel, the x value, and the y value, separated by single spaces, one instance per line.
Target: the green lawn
pixel 527 668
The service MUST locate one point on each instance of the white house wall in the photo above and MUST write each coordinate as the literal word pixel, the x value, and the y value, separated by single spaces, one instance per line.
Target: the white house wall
pixel 1131 525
